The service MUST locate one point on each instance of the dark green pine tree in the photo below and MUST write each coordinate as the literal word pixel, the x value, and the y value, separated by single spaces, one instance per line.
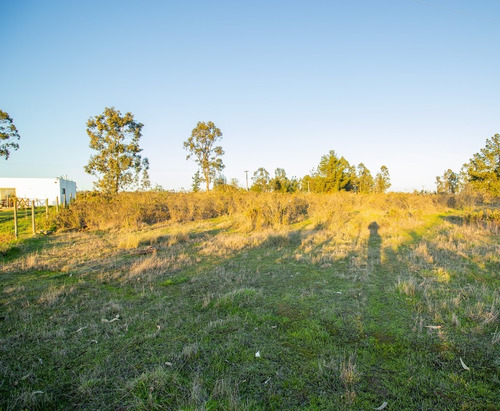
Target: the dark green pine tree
pixel 483 169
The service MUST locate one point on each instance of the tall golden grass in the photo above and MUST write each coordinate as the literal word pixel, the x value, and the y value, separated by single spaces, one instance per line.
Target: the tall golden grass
pixel 251 211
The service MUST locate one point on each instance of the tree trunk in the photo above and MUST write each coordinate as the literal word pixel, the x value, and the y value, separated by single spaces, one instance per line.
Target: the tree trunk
pixel 206 174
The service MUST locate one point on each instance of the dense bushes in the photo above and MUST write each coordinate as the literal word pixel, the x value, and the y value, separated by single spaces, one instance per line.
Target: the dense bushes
pixel 273 210
pixel 488 218
pixel 250 210
pixel 98 211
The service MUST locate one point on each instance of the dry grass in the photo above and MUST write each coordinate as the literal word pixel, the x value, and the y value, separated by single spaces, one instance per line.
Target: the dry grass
pixel 251 211
pixel 151 268
pixel 55 295
pixel 225 244
pixel 441 265
pixel 349 376
pixel 169 315
pixel 407 286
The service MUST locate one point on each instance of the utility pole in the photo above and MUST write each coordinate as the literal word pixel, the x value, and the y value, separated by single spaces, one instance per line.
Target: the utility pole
pixel 246 171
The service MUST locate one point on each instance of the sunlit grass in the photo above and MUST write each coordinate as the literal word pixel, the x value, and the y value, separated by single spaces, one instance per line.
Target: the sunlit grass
pixel 172 315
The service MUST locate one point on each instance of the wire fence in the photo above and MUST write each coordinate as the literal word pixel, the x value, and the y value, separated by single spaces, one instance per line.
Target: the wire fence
pixel 22 217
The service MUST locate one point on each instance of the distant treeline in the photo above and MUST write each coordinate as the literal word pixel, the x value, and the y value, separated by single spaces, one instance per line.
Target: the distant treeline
pixel 119 165
pixel 332 175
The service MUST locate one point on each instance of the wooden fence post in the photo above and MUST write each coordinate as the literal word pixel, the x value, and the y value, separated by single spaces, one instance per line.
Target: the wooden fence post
pixel 33 217
pixel 57 204
pixel 64 201
pixel 46 208
pixel 15 218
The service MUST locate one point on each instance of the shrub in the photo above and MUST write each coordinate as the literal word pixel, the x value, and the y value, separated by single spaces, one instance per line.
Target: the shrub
pixel 251 211
pixel 487 218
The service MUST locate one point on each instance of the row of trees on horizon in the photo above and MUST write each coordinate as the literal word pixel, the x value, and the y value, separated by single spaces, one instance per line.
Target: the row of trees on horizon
pixel 332 174
pixel 118 164
pixel 129 168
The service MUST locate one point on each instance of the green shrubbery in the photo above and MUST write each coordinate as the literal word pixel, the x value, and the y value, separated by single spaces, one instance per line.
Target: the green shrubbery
pixel 252 211
pixel 489 218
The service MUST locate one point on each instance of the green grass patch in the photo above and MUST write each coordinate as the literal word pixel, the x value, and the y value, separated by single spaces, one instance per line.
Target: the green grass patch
pixel 174 281
pixel 219 318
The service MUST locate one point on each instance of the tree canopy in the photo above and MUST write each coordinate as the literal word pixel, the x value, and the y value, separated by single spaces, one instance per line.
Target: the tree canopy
pixel 449 183
pixel 8 135
pixel 332 174
pixel 118 164
pixel 483 169
pixel 382 180
pixel 364 182
pixel 335 174
pixel 201 145
pixel 261 181
pixel 196 182
pixel 481 173
pixel 281 183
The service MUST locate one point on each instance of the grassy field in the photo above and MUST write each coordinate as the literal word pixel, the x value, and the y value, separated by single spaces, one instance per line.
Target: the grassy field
pixel 364 305
pixel 24 225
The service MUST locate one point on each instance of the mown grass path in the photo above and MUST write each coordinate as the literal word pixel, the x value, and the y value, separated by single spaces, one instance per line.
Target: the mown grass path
pixel 407 357
pixel 394 368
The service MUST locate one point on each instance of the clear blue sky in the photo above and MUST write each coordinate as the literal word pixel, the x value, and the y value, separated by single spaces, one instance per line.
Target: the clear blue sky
pixel 411 84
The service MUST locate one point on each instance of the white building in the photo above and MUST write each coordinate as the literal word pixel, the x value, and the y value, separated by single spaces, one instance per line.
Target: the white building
pixel 53 189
